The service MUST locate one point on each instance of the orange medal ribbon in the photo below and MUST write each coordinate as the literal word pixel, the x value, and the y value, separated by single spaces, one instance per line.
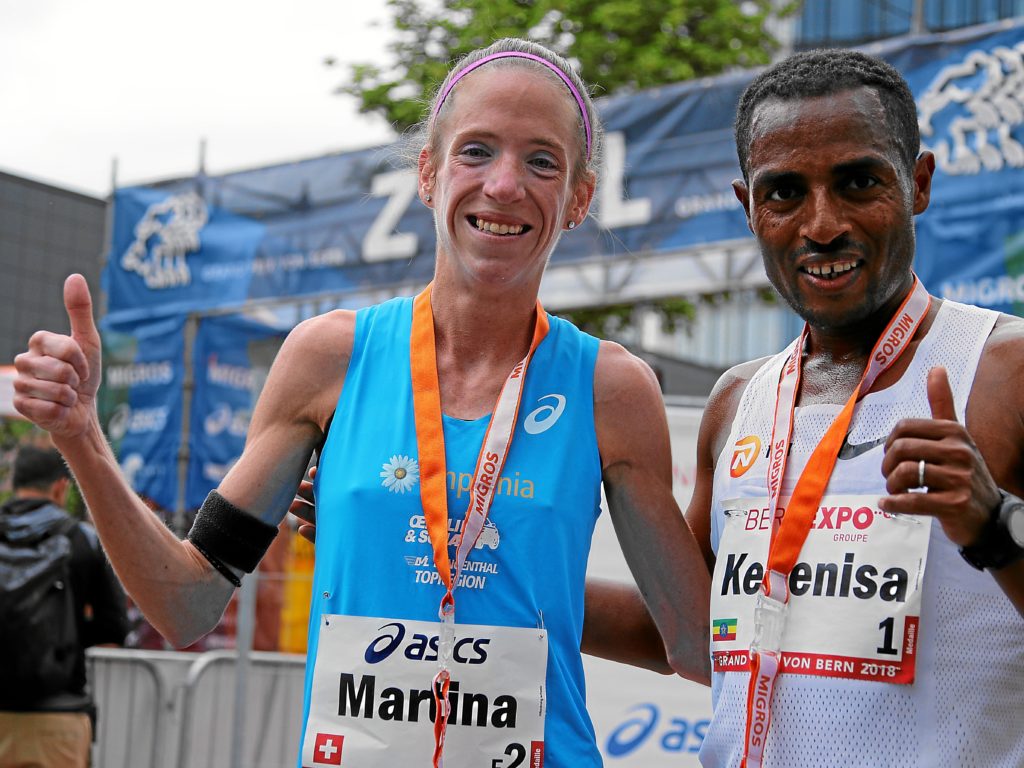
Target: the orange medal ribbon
pixel 787 539
pixel 433 473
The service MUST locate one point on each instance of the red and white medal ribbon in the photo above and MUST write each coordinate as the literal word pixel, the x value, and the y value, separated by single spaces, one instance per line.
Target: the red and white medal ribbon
pixel 788 537
pixel 433 492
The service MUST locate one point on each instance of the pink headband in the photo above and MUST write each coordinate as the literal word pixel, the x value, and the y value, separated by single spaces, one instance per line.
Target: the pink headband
pixel 517 55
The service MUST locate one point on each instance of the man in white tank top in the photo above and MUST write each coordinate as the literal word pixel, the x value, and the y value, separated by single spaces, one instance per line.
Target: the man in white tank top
pixel 874 635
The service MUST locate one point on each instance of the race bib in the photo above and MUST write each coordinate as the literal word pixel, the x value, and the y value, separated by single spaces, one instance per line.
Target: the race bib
pixel 372 707
pixel 855 592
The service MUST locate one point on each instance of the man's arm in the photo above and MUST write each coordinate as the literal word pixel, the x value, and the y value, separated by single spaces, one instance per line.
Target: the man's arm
pixel 965 466
pixel 617 624
pixel 715 425
pixel 174 585
pixel 633 439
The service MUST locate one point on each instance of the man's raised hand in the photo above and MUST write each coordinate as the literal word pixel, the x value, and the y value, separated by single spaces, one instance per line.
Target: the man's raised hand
pixel 961 492
pixel 59 375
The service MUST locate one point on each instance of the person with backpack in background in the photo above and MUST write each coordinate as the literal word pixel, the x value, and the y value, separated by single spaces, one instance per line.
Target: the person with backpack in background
pixel 58 596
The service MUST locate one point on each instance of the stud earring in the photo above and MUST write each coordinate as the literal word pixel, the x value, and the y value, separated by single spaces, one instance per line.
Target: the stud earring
pixel 427 198
pixel 572 225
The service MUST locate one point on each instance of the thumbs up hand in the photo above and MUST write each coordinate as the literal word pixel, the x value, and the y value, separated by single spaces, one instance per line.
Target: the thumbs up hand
pixel 59 375
pixel 957 486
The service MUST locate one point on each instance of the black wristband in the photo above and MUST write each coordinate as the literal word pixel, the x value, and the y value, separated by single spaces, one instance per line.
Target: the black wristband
pixel 995 547
pixel 226 535
pixel 222 569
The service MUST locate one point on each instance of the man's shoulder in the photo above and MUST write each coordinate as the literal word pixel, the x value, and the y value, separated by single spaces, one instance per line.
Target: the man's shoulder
pixel 731 385
pixel 30 519
pixel 1002 358
pixel 724 401
pixel 1008 333
pixel 84 537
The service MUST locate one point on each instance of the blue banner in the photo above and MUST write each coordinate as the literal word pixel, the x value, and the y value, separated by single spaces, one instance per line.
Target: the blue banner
pixel 227 380
pixel 141 404
pixel 351 222
pixel 970 96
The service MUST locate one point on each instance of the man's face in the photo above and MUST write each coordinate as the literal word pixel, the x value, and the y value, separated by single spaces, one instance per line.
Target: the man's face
pixel 832 206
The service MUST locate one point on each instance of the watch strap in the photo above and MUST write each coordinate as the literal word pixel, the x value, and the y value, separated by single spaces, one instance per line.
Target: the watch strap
pixel 995 547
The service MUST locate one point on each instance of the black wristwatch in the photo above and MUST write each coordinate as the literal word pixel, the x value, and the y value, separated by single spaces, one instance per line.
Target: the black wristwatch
pixel 1002 539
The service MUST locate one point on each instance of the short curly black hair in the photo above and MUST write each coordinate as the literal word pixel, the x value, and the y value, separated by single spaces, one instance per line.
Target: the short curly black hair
pixel 37 468
pixel 825 72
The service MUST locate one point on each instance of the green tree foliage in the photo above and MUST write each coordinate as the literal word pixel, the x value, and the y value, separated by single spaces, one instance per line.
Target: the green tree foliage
pixel 15 433
pixel 617 44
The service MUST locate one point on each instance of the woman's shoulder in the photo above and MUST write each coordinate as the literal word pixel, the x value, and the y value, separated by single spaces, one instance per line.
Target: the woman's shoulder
pixel 311 365
pixel 328 337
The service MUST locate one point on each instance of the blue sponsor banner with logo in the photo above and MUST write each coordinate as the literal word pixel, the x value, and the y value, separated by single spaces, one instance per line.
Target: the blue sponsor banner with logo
pixel 645 720
pixel 970 95
pixel 226 381
pixel 168 250
pixel 648 727
pixel 141 404
pixel 352 222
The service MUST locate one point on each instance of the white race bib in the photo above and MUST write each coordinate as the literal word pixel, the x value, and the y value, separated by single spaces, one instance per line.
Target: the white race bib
pixel 371 703
pixel 855 593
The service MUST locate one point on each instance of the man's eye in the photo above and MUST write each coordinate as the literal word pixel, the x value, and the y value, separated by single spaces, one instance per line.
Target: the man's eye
pixel 782 194
pixel 475 150
pixel 861 183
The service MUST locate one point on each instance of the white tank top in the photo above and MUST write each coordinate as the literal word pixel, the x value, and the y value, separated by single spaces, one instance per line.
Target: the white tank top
pixel 966 707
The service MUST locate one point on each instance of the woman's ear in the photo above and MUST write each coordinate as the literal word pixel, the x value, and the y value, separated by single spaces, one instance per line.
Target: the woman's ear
pixel 426 176
pixel 582 196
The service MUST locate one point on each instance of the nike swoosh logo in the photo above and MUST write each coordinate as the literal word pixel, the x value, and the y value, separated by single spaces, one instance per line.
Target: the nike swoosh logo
pixel 850 450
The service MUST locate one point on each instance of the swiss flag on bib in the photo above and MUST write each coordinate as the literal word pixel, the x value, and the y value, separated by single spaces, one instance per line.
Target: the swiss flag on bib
pixel 327 750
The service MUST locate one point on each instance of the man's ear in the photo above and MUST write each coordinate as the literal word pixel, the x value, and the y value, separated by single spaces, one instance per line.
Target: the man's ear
pixel 924 170
pixel 427 175
pixel 739 188
pixel 59 491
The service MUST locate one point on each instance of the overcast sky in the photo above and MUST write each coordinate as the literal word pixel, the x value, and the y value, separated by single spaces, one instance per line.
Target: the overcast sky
pixel 84 81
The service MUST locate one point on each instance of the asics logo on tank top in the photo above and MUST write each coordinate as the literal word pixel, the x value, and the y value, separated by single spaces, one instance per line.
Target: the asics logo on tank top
pixel 542 419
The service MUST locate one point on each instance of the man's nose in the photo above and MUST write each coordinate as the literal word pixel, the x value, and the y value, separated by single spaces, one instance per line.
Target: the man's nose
pixel 824 220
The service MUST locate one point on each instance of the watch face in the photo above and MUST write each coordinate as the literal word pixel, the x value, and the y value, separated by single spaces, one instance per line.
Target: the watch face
pixel 1015 524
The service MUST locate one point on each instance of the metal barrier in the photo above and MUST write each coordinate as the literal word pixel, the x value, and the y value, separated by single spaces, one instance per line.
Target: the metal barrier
pixel 165 709
pixel 130 696
pixel 271 723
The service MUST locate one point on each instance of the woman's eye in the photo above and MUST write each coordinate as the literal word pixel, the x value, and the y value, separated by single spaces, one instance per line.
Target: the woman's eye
pixel 475 151
pixel 544 163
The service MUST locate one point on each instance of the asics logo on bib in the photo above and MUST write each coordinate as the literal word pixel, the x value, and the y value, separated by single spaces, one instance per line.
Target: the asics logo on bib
pixel 542 419
pixel 743 458
pixel 420 647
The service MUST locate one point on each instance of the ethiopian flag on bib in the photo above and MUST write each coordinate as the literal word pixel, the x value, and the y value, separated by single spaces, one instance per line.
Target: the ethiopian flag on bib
pixel 723 629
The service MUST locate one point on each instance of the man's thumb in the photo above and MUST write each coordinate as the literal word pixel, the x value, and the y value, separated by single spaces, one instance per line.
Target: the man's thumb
pixel 78 304
pixel 940 395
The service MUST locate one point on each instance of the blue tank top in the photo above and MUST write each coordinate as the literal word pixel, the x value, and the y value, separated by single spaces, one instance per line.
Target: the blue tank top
pixel 373 554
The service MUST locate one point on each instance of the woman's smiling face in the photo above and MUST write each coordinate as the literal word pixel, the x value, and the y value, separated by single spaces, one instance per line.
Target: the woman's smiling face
pixel 500 175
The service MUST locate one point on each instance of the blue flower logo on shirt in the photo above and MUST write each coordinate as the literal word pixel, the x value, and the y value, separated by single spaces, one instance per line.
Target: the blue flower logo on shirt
pixel 400 474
